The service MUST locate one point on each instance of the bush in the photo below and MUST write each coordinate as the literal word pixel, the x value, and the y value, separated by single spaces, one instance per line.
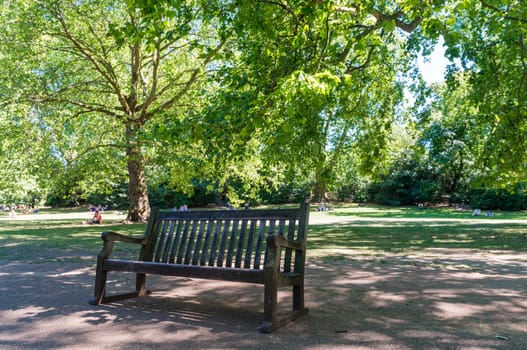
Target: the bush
pixel 163 196
pixel 286 193
pixel 355 192
pixel 117 199
pixel 494 199
pixel 407 183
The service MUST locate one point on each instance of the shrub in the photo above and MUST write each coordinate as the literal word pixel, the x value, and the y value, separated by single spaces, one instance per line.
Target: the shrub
pixel 494 199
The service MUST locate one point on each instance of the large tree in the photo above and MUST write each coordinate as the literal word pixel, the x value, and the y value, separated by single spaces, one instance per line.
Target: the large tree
pixel 296 84
pixel 24 153
pixel 315 80
pixel 111 67
pixel 448 140
pixel 487 40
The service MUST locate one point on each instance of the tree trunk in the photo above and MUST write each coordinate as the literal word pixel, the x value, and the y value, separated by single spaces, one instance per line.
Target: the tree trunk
pixel 320 190
pixel 139 209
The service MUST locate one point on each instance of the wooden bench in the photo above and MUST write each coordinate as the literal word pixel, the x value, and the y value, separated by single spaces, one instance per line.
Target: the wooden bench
pixel 256 246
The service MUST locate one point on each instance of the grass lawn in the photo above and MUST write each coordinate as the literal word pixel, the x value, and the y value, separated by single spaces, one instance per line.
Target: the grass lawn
pixel 59 234
pixel 385 229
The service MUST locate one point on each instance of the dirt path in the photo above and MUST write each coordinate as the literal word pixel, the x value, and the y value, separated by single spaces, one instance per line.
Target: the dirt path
pixel 433 299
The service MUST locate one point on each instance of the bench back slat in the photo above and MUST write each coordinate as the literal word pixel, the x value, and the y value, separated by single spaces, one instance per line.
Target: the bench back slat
pixel 159 240
pixel 214 246
pixel 181 242
pixel 199 243
pixel 232 242
pixel 288 251
pixel 258 247
pixel 169 230
pixel 176 232
pixel 249 246
pixel 241 240
pixel 206 244
pixel 190 242
pixel 222 238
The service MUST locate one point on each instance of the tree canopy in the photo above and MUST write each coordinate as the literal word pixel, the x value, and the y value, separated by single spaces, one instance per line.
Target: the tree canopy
pixel 246 95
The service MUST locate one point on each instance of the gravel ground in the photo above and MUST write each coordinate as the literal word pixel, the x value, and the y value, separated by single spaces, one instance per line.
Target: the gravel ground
pixel 432 299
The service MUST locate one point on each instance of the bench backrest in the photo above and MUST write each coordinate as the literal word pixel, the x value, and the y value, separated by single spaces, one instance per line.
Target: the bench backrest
pixel 223 238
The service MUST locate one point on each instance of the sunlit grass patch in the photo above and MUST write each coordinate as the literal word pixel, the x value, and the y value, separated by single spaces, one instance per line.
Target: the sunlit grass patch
pixel 38 240
pixel 399 229
pixel 344 233
pixel 373 211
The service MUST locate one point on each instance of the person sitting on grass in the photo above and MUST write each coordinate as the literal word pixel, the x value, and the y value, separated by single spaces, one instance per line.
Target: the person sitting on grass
pixel 97 218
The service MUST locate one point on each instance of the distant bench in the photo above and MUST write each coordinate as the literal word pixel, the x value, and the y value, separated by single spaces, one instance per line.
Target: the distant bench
pixel 262 246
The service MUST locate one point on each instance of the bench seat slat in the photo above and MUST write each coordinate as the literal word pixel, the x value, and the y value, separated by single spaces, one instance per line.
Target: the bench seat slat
pixel 206 272
pixel 183 241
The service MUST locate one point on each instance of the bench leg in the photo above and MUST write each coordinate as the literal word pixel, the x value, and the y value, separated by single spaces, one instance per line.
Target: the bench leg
pixel 100 296
pixel 270 306
pixel 100 283
pixel 99 291
pixel 140 283
pixel 298 298
pixel 271 320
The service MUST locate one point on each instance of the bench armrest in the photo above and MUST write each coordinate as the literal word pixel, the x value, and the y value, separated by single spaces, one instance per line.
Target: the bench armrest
pixel 115 236
pixel 109 237
pixel 280 241
pixel 275 243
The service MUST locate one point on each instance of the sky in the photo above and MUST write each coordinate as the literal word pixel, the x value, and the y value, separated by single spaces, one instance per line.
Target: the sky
pixel 433 67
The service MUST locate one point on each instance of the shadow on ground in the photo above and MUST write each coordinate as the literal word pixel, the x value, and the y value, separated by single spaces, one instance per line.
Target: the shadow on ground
pixel 432 300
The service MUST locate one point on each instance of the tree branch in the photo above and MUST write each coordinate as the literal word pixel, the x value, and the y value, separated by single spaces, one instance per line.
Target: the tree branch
pixel 98 146
pixel 352 68
pixel 153 90
pixel 87 107
pixel 407 27
pixel 287 9
pixel 496 9
pixel 104 68
pixel 326 43
pixel 366 30
pixel 523 78
pixel 191 80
